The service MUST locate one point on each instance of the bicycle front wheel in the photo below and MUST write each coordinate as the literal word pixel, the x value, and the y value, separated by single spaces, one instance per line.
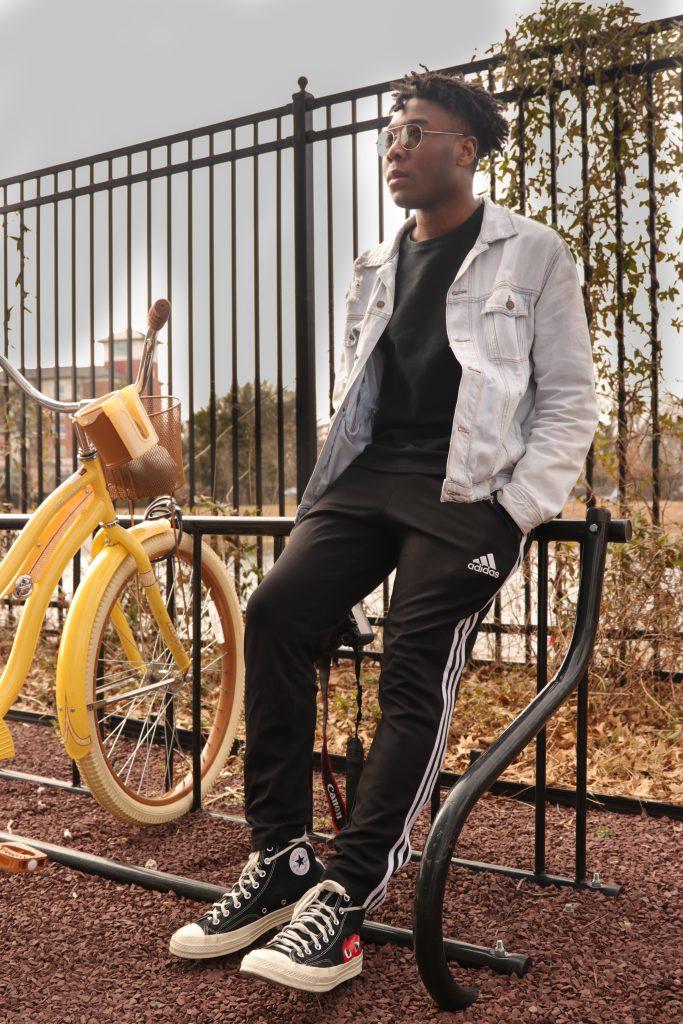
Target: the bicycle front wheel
pixel 140 707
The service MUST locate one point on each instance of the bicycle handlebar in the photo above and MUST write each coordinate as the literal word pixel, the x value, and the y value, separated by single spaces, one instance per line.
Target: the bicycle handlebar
pixel 156 318
pixel 158 314
pixel 37 396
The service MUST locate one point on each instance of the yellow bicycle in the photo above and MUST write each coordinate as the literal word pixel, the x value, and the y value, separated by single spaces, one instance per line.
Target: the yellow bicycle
pixel 124 670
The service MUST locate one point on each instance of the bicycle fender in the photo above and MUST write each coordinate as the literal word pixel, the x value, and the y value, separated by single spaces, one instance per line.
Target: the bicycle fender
pixel 70 686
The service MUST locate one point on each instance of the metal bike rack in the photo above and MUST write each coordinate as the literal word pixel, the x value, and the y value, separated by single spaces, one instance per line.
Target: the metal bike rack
pixel 572 674
pixel 433 951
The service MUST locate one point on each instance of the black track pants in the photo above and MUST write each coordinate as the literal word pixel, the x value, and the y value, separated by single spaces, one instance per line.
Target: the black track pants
pixel 450 560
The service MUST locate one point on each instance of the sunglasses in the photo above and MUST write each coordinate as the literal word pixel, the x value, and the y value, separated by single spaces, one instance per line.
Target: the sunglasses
pixel 409 136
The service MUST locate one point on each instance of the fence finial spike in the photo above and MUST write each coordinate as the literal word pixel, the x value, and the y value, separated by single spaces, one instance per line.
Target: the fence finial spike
pixel 302 83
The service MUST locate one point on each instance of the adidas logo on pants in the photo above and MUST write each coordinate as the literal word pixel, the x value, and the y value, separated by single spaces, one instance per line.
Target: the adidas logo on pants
pixel 485 564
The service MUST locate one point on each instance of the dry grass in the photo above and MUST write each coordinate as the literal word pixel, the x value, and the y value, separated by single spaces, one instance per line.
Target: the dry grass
pixel 634 746
pixel 634 733
pixel 671 513
pixel 635 723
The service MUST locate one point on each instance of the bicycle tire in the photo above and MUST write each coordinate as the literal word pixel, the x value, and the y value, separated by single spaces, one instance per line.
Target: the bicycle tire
pixel 140 765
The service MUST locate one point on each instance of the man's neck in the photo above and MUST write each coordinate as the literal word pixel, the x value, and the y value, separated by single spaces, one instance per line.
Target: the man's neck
pixel 439 221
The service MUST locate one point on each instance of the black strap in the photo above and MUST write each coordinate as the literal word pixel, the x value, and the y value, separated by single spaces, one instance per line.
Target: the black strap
pixel 356 631
pixel 335 800
pixel 355 753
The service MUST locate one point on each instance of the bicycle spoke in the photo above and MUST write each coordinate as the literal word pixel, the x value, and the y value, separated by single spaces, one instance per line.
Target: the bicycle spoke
pixel 117 732
pixel 144 732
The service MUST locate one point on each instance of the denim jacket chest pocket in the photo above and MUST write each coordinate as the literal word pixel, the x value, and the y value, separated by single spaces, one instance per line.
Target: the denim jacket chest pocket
pixel 507 319
pixel 352 326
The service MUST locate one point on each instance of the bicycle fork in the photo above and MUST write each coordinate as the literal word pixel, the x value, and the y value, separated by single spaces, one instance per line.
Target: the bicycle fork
pixel 110 547
pixel 149 582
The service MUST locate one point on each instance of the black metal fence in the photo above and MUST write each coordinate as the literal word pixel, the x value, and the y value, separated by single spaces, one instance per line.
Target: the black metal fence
pixel 250 227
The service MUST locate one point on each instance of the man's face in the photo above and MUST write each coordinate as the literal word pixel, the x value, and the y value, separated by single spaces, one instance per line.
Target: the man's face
pixel 439 169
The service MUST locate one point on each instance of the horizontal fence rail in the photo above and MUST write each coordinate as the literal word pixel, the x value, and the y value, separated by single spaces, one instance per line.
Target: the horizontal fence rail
pixel 531 624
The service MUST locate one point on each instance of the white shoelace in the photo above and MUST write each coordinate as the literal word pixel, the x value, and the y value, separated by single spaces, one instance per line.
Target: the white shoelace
pixel 247 882
pixel 312 920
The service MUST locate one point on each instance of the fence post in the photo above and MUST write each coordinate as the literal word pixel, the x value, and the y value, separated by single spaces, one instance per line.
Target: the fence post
pixel 304 288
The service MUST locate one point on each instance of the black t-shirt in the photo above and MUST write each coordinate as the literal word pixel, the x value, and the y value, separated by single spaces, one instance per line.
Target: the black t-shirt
pixel 414 420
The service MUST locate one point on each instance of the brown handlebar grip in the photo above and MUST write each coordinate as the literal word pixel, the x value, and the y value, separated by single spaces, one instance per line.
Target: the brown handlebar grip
pixel 158 314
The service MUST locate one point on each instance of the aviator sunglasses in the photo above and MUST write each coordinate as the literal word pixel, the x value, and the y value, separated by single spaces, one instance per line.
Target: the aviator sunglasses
pixel 409 136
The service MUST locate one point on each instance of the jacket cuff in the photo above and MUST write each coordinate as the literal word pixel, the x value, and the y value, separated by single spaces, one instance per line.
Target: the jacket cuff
pixel 519 508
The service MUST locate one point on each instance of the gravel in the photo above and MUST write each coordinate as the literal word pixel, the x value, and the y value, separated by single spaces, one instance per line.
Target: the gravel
pixel 77 949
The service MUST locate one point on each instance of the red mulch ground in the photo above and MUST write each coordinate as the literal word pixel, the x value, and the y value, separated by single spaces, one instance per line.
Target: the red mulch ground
pixel 75 949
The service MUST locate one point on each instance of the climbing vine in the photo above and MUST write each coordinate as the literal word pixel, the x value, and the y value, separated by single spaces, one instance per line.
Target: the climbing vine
pixel 594 98
pixel 595 151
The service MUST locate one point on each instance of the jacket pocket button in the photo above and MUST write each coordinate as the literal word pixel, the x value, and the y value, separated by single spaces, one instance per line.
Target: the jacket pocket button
pixel 380 304
pixel 510 304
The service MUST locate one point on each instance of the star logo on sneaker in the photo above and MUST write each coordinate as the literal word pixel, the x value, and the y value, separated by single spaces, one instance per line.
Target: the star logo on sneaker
pixel 485 564
pixel 299 862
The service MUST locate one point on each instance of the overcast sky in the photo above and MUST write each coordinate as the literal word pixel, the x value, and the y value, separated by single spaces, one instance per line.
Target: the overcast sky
pixel 78 77
pixel 81 77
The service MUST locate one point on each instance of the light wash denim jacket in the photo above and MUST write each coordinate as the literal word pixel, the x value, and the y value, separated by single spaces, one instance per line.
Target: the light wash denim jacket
pixel 526 409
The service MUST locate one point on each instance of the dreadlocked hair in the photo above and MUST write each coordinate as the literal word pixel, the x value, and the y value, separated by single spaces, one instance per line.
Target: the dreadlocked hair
pixel 480 111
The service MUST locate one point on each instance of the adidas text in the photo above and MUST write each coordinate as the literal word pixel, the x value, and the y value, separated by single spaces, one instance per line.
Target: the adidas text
pixel 485 564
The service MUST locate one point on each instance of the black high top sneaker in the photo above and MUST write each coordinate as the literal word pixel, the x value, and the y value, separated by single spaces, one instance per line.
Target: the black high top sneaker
pixel 318 949
pixel 263 898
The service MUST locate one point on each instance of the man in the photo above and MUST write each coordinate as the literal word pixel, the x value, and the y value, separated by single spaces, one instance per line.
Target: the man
pixel 465 408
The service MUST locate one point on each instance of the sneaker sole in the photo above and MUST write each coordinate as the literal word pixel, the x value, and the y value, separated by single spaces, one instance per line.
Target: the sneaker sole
pixel 267 966
pixel 207 946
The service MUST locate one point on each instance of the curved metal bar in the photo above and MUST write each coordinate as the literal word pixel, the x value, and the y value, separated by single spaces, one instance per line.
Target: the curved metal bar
pixel 433 871
pixel 47 402
pixel 146 360
pixel 37 396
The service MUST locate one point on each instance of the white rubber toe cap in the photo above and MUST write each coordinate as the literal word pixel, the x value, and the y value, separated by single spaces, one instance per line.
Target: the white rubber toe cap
pixel 190 941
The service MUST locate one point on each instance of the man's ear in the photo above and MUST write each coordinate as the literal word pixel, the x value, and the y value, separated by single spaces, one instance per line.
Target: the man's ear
pixel 468 152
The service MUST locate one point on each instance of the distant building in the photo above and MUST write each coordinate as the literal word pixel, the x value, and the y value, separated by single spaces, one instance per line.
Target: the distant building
pixel 68 384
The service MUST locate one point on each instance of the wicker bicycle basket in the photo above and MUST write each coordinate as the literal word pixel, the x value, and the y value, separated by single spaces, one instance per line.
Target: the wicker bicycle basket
pixel 160 469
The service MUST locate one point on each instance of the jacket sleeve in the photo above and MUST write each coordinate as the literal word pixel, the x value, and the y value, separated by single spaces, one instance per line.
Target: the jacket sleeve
pixel 565 412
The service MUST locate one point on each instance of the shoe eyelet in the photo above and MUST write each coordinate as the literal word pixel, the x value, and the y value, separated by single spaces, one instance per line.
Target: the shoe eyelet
pixel 347 899
pixel 256 885
pixel 317 946
pixel 261 874
pixel 247 895
pixel 265 910
pixel 283 903
pixel 236 905
pixel 307 950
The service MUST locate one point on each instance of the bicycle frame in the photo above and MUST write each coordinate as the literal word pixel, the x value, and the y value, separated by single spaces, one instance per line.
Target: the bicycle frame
pixel 36 561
